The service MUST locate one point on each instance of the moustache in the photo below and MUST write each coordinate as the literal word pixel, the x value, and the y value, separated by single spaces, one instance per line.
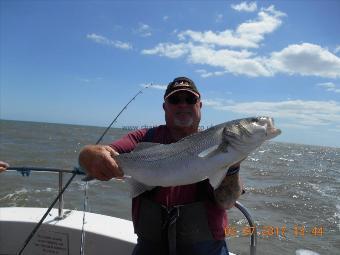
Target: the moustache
pixel 186 112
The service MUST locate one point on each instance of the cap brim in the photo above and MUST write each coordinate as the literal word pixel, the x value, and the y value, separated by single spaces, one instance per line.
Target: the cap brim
pixel 184 89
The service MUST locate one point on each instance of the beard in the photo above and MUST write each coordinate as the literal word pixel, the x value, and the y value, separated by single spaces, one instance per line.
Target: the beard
pixel 184 119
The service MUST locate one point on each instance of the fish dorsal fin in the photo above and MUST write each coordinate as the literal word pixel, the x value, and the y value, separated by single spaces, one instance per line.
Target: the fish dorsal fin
pixel 212 151
pixel 144 145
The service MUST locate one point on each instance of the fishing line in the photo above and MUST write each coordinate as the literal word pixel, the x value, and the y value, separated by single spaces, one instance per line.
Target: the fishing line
pixel 74 173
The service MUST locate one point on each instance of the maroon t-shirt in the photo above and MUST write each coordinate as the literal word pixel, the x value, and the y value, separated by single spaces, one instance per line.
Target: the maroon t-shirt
pixel 178 195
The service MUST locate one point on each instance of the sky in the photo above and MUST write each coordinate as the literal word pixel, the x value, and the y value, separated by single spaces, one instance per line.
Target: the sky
pixel 80 62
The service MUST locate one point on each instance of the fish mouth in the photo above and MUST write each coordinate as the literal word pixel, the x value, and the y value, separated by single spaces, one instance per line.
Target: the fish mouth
pixel 271 130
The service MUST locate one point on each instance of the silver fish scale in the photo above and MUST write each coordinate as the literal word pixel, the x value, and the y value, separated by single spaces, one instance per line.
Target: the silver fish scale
pixel 206 154
pixel 189 146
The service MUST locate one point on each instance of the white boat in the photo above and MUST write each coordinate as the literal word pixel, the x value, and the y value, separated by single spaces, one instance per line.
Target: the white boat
pixel 104 234
pixel 61 231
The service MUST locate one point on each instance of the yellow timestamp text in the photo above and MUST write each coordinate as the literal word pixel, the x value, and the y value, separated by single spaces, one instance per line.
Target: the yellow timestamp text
pixel 278 231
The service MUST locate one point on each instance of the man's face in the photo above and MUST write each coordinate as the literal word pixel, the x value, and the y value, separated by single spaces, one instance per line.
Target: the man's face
pixel 182 109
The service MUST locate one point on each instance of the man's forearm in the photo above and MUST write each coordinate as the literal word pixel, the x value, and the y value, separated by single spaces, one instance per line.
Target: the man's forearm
pixel 229 191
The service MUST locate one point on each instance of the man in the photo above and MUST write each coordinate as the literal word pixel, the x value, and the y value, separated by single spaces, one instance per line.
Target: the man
pixel 187 219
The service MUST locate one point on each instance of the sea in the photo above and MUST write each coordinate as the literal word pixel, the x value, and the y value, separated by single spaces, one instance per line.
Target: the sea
pixel 292 190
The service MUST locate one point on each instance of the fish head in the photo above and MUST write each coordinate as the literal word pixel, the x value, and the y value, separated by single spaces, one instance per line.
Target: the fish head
pixel 248 134
pixel 267 124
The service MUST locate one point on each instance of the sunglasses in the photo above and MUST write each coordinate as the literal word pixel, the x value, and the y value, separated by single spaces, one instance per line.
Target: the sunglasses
pixel 188 99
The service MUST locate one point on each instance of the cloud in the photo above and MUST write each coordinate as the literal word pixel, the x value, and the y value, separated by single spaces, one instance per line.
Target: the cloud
pixel 337 49
pixel 301 113
pixel 236 62
pixel 306 59
pixel 165 18
pixel 233 51
pixel 206 74
pixel 231 61
pixel 105 41
pixel 329 86
pixel 244 6
pixel 168 50
pixel 144 30
pixel 246 35
pixel 218 18
pixel 155 86
pixel 216 103
pixel 158 86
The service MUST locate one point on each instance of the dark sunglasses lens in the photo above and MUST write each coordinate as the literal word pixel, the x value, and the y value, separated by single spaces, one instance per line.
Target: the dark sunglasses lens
pixel 173 100
pixel 177 100
pixel 191 100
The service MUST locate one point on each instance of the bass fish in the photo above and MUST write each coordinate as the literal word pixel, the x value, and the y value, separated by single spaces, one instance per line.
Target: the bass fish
pixel 203 155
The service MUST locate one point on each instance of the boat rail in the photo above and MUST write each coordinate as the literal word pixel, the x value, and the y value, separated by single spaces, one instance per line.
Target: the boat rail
pixel 25 171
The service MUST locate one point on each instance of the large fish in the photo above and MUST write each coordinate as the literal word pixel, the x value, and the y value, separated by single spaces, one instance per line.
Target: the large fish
pixel 206 154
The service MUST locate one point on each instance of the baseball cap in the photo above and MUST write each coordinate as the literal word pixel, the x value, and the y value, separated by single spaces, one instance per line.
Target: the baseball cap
pixel 181 84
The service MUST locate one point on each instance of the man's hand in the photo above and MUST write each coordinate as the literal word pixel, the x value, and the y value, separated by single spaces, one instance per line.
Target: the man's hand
pixel 99 163
pixel 230 189
pixel 3 166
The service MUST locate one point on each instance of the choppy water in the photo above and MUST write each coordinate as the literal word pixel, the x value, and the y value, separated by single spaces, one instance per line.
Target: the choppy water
pixel 291 189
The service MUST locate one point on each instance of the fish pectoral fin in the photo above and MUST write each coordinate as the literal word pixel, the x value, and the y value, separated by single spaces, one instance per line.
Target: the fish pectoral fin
pixel 144 145
pixel 137 188
pixel 212 151
pixel 216 179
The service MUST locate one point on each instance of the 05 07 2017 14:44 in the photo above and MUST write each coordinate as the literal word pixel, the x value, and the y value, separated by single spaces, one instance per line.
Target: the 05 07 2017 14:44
pixel 268 230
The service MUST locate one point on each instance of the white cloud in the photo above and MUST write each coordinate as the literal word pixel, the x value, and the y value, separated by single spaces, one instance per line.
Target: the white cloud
pixel 299 112
pixel 244 6
pixel 206 74
pixel 165 18
pixel 144 30
pixel 247 35
pixel 168 50
pixel 329 86
pixel 213 49
pixel 154 86
pixel 306 59
pixel 236 62
pixel 158 86
pixel 337 49
pixel 216 103
pixel 219 18
pixel 105 41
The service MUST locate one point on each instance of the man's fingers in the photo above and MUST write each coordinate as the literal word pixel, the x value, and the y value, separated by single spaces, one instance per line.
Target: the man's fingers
pixel 3 166
pixel 102 176
pixel 99 162
pixel 112 151
pixel 113 168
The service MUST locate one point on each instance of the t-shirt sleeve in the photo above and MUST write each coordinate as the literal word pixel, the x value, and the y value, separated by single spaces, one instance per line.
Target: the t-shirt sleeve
pixel 128 142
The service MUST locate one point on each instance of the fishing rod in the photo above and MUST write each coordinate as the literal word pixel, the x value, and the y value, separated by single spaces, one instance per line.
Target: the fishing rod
pixel 88 178
pixel 26 170
pixel 76 171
